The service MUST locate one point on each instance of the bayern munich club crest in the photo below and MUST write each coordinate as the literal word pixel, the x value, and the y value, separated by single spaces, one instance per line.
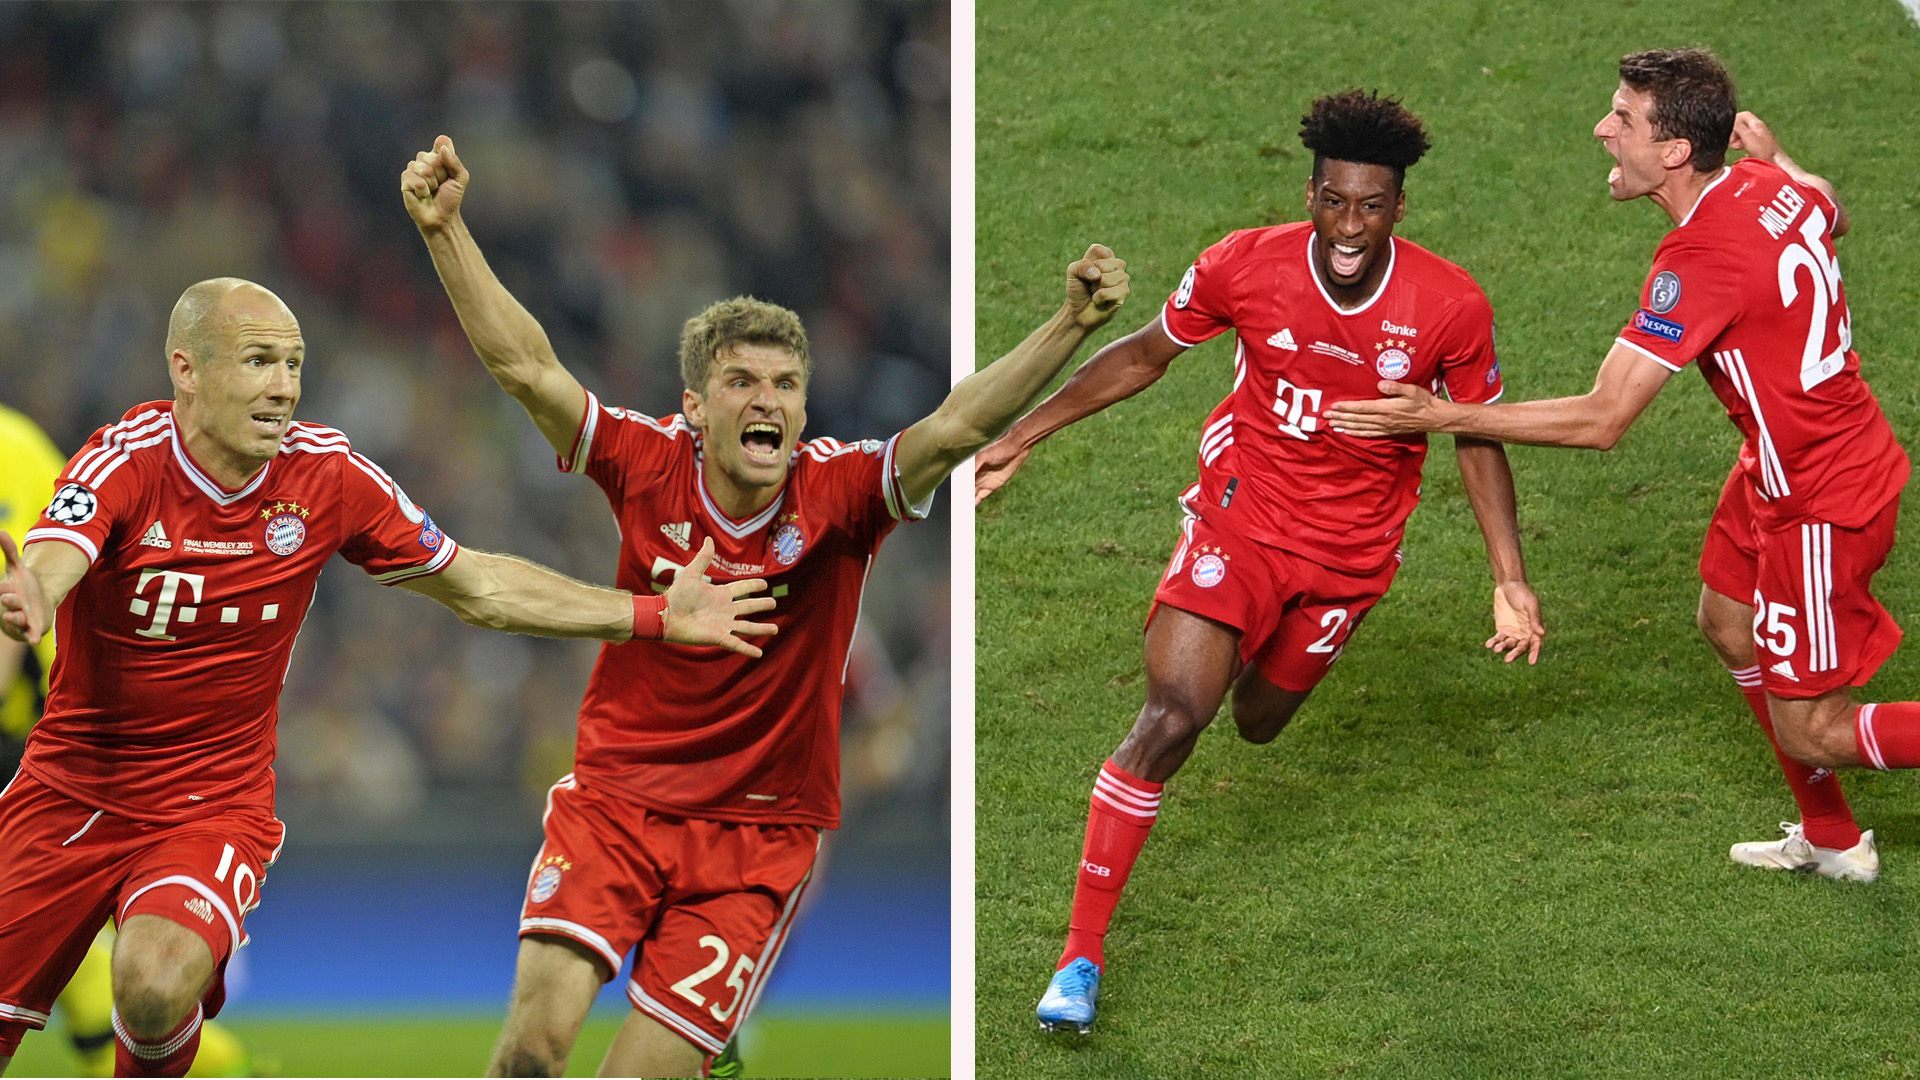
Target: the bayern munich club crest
pixel 1209 570
pixel 286 527
pixel 546 879
pixel 1395 360
pixel 788 543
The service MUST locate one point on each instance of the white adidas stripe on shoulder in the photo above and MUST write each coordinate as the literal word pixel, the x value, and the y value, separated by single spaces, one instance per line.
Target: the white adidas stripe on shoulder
pixel 110 438
pixel 118 445
pixel 126 455
pixel 316 432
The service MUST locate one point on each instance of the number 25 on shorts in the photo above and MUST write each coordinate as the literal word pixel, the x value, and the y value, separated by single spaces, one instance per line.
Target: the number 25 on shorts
pixel 736 979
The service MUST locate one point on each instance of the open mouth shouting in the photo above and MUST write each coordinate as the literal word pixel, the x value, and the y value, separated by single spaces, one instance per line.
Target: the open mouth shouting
pixel 762 441
pixel 1344 260
pixel 271 424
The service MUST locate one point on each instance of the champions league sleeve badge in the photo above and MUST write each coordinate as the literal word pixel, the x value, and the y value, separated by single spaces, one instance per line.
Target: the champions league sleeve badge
pixel 286 527
pixel 1665 292
pixel 73 504
pixel 1184 294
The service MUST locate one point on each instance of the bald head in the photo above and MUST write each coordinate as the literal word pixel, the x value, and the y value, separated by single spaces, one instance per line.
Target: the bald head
pixel 211 306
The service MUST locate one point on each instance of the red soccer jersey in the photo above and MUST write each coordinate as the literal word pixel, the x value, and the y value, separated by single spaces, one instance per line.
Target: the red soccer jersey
pixel 1749 285
pixel 1270 469
pixel 697 730
pixel 174 645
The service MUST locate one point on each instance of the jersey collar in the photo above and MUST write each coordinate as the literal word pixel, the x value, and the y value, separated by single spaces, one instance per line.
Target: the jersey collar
pixel 206 483
pixel 1725 171
pixel 735 529
pixel 1393 251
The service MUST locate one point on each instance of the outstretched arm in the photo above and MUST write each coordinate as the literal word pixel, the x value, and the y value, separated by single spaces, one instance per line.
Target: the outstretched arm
pixel 34 583
pixel 1488 478
pixel 985 402
pixel 1119 371
pixel 1596 420
pixel 507 338
pixel 1751 134
pixel 502 592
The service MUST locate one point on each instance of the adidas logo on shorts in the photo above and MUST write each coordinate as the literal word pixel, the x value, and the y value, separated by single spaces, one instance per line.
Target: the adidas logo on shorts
pixel 201 908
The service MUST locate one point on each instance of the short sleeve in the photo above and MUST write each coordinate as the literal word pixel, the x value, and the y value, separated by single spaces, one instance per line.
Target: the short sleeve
pixel 100 486
pixel 860 483
pixel 1201 307
pixel 1469 368
pixel 386 534
pixel 613 442
pixel 1689 299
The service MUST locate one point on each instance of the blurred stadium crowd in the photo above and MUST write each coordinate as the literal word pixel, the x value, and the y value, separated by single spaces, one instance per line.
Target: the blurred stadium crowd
pixel 632 162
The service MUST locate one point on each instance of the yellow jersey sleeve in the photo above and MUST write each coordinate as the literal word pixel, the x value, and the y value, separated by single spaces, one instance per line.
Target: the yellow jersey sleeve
pixel 29 467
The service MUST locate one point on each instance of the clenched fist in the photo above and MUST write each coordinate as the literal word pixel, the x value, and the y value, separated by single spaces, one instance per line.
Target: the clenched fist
pixel 1096 287
pixel 433 185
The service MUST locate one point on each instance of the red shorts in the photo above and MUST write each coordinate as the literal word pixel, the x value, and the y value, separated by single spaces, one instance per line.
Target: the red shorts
pixel 1294 615
pixel 709 903
pixel 70 868
pixel 1816 624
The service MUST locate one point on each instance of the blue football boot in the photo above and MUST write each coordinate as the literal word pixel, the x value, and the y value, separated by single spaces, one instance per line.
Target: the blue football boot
pixel 1068 1003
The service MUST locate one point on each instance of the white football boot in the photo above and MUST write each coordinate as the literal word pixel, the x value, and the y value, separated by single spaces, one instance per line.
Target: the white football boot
pixel 1861 862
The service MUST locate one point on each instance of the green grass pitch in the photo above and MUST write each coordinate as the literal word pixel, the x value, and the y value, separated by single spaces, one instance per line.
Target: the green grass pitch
pixel 1447 867
pixel 789 1045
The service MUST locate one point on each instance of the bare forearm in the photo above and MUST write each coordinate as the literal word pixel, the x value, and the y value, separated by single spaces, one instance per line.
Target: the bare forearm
pixel 510 594
pixel 1488 478
pixel 1115 373
pixel 507 338
pixel 1572 422
pixel 983 404
pixel 1841 224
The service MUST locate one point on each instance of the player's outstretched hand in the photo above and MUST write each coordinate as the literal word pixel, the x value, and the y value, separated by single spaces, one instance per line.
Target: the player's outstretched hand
pixel 1096 287
pixel 1517 627
pixel 699 612
pixel 1752 135
pixel 433 185
pixel 1402 409
pixel 23 607
pixel 995 464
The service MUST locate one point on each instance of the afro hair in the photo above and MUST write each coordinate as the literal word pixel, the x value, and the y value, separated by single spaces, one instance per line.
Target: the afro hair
pixel 1362 126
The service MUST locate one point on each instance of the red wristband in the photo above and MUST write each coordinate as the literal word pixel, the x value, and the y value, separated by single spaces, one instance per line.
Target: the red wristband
pixel 649 622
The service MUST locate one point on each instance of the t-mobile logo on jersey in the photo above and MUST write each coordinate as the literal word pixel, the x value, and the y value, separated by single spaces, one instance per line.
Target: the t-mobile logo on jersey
pixel 165 613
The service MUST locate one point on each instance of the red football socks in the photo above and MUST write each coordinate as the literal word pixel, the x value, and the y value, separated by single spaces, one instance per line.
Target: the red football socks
pixel 1121 814
pixel 1824 812
pixel 1889 735
pixel 170 1055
